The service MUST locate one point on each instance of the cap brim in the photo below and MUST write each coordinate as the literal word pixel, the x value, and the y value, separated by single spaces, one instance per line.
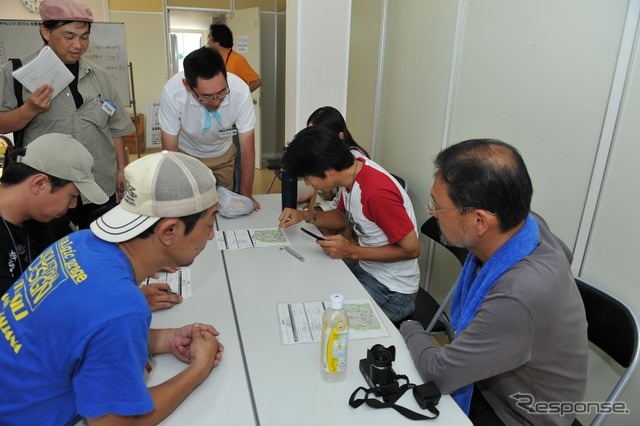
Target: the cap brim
pixel 118 225
pixel 92 192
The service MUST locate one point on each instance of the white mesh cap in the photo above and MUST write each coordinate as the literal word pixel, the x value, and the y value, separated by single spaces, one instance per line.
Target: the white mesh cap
pixel 166 184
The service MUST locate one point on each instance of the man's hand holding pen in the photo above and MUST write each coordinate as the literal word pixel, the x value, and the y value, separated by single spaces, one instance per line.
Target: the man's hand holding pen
pixel 290 217
pixel 160 296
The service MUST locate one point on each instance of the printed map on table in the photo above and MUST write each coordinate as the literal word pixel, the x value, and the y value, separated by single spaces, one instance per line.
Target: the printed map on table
pixel 250 238
pixel 301 322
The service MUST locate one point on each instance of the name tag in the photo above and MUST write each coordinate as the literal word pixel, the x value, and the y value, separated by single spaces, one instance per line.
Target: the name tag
pixel 225 133
pixel 108 107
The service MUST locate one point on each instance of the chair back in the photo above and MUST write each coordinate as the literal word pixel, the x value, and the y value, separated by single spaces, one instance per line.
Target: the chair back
pixel 431 229
pixel 614 328
pixel 428 311
pixel 402 182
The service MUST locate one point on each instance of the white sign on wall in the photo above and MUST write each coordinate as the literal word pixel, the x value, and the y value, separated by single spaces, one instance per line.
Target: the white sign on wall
pixel 242 44
pixel 153 125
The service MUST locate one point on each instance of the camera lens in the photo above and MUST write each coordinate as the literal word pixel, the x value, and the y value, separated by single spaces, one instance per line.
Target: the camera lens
pixel 382 357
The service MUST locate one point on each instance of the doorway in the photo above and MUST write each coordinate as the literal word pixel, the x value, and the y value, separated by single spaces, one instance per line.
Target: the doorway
pixel 259 35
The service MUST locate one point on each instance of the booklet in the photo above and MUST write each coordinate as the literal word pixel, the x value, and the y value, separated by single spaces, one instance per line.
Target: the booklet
pixel 301 322
pixel 249 238
pixel 45 68
pixel 179 281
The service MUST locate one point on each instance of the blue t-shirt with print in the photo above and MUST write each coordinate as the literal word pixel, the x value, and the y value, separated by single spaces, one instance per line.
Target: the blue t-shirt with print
pixel 74 336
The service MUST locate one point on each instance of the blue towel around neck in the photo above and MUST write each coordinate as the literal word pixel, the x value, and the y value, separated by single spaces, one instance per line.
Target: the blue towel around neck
pixel 471 289
pixel 207 119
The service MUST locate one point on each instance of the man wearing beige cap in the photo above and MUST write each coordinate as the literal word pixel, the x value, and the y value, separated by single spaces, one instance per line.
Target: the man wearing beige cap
pixel 44 181
pixel 79 110
pixel 79 326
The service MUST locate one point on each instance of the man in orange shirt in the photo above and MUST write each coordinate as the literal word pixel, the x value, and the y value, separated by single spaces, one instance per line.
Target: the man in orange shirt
pixel 221 39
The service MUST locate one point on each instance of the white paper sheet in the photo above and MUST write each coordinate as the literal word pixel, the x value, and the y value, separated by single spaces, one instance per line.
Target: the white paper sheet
pixel 180 281
pixel 45 68
pixel 250 238
pixel 301 322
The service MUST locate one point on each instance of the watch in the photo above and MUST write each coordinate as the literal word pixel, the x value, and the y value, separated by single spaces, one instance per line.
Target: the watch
pixel 32 5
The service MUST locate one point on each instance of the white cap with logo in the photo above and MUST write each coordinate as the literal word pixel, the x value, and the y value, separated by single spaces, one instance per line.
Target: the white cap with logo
pixel 165 184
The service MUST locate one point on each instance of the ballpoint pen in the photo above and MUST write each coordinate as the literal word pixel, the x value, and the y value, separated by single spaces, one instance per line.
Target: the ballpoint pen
pixel 293 253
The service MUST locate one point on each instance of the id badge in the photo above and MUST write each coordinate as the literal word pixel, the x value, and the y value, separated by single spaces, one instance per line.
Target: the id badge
pixel 108 107
pixel 225 133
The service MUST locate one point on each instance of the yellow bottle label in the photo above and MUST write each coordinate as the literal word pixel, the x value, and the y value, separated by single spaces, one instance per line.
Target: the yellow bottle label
pixel 337 348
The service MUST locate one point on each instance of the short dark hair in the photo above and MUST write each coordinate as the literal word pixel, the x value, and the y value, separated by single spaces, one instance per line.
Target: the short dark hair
pixel 54 25
pixel 331 118
pixel 222 34
pixel 16 173
pixel 189 223
pixel 313 151
pixel 487 174
pixel 203 63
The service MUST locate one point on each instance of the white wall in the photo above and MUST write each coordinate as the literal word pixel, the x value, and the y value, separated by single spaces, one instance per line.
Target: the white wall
pixel 363 54
pixel 417 63
pixel 538 75
pixel 317 59
pixel 149 59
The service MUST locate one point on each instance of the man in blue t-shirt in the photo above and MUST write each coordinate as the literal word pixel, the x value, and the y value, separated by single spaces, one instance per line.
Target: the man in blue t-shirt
pixel 76 326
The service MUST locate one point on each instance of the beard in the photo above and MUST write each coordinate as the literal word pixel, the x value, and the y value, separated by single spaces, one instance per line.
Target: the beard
pixel 465 242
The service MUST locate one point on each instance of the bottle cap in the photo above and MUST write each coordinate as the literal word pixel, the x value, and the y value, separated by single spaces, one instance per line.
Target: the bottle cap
pixel 336 300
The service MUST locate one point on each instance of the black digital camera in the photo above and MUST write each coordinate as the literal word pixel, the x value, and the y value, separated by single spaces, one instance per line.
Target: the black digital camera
pixel 377 371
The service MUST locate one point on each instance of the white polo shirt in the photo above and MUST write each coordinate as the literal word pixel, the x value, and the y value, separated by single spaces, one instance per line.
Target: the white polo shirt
pixel 181 114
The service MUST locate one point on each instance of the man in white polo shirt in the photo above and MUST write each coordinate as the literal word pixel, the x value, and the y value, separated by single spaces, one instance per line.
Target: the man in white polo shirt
pixel 200 112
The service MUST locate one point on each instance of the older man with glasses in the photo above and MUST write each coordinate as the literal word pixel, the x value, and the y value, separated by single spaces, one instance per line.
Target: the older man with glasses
pixel 521 332
pixel 202 109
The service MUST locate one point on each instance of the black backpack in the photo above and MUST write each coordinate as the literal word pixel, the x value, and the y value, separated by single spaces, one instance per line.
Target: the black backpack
pixel 18 136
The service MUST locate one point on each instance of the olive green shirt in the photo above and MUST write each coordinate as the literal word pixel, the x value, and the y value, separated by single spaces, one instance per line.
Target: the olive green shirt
pixel 89 124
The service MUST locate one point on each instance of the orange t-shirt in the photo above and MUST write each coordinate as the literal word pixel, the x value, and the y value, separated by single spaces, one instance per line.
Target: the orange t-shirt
pixel 238 65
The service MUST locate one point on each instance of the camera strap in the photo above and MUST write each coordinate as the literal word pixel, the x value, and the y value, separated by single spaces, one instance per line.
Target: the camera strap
pixel 390 401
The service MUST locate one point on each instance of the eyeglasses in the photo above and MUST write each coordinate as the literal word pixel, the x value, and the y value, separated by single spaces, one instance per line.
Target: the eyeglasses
pixel 431 208
pixel 217 97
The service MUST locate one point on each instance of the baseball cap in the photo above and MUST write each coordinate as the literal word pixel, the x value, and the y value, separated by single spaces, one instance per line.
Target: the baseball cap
pixel 164 184
pixel 64 157
pixel 65 10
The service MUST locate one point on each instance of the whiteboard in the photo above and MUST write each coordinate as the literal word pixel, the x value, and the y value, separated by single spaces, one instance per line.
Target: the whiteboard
pixel 107 48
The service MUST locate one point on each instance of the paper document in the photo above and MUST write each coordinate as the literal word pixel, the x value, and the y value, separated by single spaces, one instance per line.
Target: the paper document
pixel 301 322
pixel 180 281
pixel 45 68
pixel 249 238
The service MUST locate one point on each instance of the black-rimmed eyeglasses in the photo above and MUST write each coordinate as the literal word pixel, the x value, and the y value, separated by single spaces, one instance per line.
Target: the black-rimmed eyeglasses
pixel 217 97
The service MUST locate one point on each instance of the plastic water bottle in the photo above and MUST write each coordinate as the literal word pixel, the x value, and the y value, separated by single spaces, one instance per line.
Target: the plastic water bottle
pixel 333 343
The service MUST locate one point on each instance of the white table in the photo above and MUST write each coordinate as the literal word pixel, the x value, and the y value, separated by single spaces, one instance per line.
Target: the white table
pixel 224 397
pixel 285 379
